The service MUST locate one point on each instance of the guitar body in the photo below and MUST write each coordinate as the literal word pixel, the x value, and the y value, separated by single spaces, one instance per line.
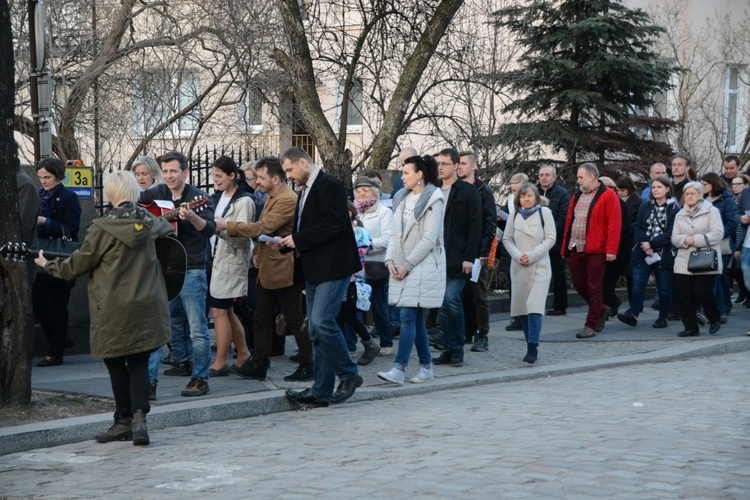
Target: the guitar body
pixel 158 211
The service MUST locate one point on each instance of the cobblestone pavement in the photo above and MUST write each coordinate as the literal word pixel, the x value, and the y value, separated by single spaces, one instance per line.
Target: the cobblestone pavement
pixel 665 430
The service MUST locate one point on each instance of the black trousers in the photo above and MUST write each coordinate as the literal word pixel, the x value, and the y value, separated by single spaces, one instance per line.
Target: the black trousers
pixel 130 384
pixel 266 303
pixel 690 292
pixel 50 298
pixel 559 281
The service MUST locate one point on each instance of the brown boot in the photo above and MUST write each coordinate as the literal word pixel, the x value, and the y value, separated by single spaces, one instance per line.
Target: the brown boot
pixel 120 430
pixel 371 352
pixel 140 433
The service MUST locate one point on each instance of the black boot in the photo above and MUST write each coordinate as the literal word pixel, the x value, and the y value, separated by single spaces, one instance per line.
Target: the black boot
pixel 120 430
pixel 371 352
pixel 140 433
pixel 531 353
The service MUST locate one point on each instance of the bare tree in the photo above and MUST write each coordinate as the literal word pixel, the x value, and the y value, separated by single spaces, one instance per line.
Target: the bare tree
pixel 16 326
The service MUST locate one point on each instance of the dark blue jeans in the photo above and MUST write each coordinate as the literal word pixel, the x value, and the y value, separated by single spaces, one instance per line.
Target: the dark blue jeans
pixel 664 279
pixel 453 315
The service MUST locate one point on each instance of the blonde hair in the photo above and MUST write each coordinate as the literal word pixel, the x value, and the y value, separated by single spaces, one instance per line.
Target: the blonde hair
pixel 121 186
pixel 251 167
pixel 518 178
pixel 152 168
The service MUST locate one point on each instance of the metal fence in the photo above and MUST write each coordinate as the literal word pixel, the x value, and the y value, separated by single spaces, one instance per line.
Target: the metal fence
pixel 198 163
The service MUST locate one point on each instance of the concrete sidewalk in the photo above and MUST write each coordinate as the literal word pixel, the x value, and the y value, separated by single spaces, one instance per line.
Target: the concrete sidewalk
pixel 231 397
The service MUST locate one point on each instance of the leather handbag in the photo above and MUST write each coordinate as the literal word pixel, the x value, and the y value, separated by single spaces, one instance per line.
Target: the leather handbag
pixel 376 273
pixel 703 260
pixel 63 245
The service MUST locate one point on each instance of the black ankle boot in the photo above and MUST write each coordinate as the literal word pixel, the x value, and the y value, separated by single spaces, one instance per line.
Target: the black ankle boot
pixel 120 430
pixel 140 433
pixel 531 353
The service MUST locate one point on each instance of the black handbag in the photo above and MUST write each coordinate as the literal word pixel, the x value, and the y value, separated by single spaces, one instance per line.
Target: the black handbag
pixel 703 261
pixel 376 273
pixel 56 245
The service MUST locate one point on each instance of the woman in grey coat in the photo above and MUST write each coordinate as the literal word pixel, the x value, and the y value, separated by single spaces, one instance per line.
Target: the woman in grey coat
pixel 528 237
pixel 415 258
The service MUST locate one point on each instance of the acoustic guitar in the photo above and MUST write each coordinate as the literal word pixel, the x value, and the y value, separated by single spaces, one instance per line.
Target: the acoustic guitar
pixel 170 215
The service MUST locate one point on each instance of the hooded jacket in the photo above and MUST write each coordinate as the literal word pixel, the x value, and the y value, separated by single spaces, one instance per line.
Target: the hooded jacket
pixel 232 253
pixel 127 295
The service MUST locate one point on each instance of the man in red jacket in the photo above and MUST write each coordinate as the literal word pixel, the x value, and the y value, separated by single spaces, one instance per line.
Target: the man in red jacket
pixel 591 238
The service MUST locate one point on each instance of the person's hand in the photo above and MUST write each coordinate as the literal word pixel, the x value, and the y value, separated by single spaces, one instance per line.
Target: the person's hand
pixel 221 224
pixel 690 241
pixel 484 260
pixel 524 260
pixel 287 242
pixel 186 213
pixel 745 219
pixel 41 261
pixel 649 252
pixel 466 267
pixel 645 246
pixel 40 221
pixel 255 261
pixel 401 272
pixel 611 257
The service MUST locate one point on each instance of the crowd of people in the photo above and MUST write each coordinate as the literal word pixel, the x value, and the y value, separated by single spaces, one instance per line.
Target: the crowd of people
pixel 266 262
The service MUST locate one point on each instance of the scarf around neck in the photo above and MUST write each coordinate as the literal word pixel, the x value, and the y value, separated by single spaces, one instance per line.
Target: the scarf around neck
pixel 362 207
pixel 528 213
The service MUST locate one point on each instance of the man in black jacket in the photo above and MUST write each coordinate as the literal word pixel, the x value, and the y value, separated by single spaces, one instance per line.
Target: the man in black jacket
pixel 462 228
pixel 327 258
pixel 194 228
pixel 559 200
pixel 475 298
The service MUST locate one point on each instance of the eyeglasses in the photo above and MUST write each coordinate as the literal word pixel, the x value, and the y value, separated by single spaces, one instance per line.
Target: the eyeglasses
pixel 362 189
pixel 738 184
pixel 690 193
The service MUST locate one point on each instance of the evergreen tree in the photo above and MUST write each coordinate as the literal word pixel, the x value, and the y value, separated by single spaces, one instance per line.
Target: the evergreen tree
pixel 587 70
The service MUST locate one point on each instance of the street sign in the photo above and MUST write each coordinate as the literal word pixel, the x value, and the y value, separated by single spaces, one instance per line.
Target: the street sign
pixel 80 180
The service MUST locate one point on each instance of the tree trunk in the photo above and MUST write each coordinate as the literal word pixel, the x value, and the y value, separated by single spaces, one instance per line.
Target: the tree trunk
pixel 106 56
pixel 16 328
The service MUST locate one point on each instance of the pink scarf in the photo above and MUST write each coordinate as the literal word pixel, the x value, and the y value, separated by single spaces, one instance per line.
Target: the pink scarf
pixel 362 207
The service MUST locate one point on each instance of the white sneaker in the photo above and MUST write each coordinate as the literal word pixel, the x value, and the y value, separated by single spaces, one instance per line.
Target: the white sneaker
pixel 424 375
pixel 394 376
pixel 385 351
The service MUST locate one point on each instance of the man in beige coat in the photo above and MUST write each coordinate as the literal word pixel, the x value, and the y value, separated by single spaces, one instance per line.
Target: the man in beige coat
pixel 275 274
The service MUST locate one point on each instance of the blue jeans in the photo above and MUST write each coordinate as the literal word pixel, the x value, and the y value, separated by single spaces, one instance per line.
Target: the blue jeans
pixel 745 266
pixel 721 286
pixel 193 324
pixel 532 327
pixel 453 315
pixel 664 279
pixel 154 362
pixel 329 348
pixel 394 315
pixel 379 308
pixel 413 333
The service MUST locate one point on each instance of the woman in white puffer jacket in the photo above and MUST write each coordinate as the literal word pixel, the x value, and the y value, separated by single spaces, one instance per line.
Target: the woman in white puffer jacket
pixel 416 261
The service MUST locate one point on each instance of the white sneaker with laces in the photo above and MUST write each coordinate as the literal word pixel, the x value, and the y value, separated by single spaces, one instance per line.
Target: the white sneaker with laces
pixel 385 351
pixel 394 376
pixel 424 375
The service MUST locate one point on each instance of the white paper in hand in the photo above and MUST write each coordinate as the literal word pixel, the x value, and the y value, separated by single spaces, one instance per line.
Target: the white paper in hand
pixel 475 270
pixel 652 259
pixel 269 239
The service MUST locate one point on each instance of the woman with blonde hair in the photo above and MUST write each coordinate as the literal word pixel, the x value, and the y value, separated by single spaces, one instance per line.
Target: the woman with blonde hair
pixel 147 172
pixel 127 300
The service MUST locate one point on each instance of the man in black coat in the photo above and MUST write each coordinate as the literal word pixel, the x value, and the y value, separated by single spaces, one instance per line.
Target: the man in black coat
pixel 462 230
pixel 327 257
pixel 475 298
pixel 559 200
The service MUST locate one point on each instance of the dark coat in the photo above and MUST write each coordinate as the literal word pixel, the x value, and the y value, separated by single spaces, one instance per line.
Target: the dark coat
pixel 195 242
pixel 127 295
pixel 325 240
pixel 559 201
pixel 462 227
pixel 28 206
pixel 728 210
pixel 661 244
pixel 489 217
pixel 63 210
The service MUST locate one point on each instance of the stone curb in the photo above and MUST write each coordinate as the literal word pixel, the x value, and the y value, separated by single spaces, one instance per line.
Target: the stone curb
pixel 71 430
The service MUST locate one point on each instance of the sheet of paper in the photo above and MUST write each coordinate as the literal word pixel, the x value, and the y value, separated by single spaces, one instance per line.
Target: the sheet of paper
pixel 652 259
pixel 475 270
pixel 268 239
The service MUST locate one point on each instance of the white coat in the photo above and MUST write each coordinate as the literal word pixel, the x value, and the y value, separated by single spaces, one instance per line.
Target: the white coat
pixel 232 256
pixel 417 244
pixel 378 222
pixel 530 283
pixel 705 223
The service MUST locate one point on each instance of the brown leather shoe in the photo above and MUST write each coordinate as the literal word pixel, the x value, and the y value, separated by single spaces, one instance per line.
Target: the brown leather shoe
pixel 585 333
pixel 50 361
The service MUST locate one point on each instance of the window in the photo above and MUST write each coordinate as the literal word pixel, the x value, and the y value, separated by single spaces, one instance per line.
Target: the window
pixel 250 110
pixel 732 79
pixel 354 110
pixel 158 96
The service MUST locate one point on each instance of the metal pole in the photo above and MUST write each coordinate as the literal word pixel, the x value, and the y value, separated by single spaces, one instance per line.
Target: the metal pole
pixel 33 80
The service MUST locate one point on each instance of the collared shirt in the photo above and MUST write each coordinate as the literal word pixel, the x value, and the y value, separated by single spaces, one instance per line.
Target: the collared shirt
pixel 308 186
pixel 580 215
